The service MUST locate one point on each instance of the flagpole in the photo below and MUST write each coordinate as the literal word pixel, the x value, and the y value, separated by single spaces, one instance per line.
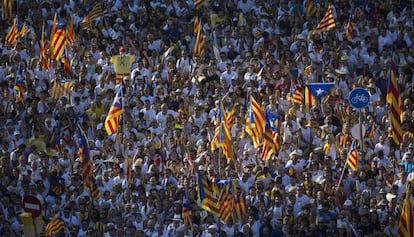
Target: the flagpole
pixel 219 159
pixel 342 175
pixel 124 132
pixel 360 130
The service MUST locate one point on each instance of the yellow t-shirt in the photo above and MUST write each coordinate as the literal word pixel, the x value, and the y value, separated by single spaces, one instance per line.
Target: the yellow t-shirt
pixel 122 63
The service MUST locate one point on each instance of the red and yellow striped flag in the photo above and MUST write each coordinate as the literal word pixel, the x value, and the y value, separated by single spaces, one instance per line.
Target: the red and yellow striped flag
pixel 20 86
pixel 94 14
pixel 113 118
pixel 240 207
pixel 394 101
pixel 87 165
pixel 54 226
pixel 24 31
pixel 54 27
pixel 206 197
pixel 310 100
pixel 326 148
pixel 406 220
pixel 352 160
pixel 327 22
pixel 199 44
pixel 255 122
pixel 70 32
pixel 197 25
pixel 225 139
pixel 295 96
pixel 349 27
pixel 61 89
pixel 44 50
pixel 13 34
pixel 307 71
pixel 58 43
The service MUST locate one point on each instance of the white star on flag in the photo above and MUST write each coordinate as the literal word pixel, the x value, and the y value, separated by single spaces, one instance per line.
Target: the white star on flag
pixel 319 91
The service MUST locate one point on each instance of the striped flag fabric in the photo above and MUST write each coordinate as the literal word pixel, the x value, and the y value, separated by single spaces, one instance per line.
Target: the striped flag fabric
pixel 61 89
pixel 310 8
pixel 307 71
pixel 224 134
pixel 187 214
pixel 70 32
pixel 205 195
pixel 224 190
pixel 295 95
pixel 87 165
pixel 7 10
pixel 327 22
pixel 113 118
pixel 199 3
pixel 231 118
pixel 326 148
pixel 25 30
pixel 268 148
pixel 94 14
pixel 54 226
pixel 352 160
pixel 349 27
pixel 394 101
pixel 13 34
pixel 197 25
pixel 271 138
pixel 44 50
pixel 240 207
pixel 406 220
pixel 199 43
pixel 54 27
pixel 309 99
pixel 58 43
pixel 255 122
pixel 19 86
pixel 226 207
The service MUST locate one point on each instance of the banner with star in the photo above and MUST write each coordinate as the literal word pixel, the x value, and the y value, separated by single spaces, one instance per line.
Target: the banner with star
pixel 320 90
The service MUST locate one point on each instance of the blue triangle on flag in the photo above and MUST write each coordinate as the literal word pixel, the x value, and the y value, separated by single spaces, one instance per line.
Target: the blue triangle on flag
pixel 320 90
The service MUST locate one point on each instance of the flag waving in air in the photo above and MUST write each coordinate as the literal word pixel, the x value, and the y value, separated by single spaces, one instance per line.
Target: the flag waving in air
pixel 94 14
pixel 349 27
pixel 58 43
pixel 19 86
pixel 394 101
pixel 327 22
pixel 87 165
pixel 13 34
pixel 70 32
pixel 406 219
pixel 255 122
pixel 353 157
pixel 113 118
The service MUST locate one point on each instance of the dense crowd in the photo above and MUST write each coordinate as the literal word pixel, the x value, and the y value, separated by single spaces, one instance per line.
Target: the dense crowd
pixel 253 49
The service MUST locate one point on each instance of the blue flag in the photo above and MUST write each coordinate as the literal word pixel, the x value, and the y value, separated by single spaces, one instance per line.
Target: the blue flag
pixel 320 90
pixel 272 121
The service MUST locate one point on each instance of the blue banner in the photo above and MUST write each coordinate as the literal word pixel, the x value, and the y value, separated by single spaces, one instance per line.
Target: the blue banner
pixel 320 90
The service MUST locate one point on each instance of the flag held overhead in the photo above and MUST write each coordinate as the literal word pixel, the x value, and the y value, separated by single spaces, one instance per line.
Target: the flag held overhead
pixel 320 90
